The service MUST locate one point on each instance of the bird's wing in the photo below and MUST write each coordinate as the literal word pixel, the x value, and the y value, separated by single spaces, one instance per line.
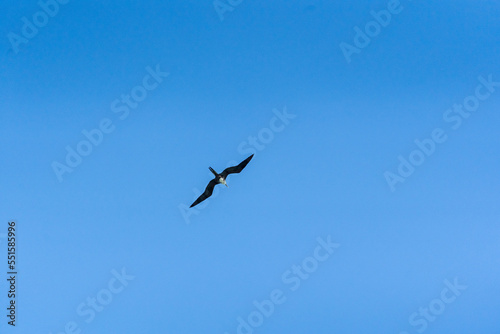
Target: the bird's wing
pixel 207 193
pixel 236 169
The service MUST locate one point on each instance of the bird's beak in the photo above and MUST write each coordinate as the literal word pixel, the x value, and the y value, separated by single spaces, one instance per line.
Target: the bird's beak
pixel 226 185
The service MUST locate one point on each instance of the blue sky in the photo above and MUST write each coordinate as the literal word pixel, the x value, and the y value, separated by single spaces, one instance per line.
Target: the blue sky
pixel 341 223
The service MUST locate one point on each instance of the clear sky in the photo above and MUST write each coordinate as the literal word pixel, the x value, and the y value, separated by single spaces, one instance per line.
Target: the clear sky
pixel 370 206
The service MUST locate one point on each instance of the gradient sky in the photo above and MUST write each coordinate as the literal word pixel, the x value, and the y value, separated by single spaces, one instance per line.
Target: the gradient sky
pixel 320 173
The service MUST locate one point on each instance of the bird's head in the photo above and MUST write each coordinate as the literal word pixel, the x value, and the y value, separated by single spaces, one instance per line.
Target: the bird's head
pixel 224 183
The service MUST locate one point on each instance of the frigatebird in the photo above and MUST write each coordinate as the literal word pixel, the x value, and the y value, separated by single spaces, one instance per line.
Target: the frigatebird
pixel 220 178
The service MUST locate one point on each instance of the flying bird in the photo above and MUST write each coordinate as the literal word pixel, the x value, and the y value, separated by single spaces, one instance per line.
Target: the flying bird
pixel 220 178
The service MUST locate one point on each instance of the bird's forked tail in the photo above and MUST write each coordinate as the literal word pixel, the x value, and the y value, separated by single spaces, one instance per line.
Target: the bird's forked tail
pixel 212 170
